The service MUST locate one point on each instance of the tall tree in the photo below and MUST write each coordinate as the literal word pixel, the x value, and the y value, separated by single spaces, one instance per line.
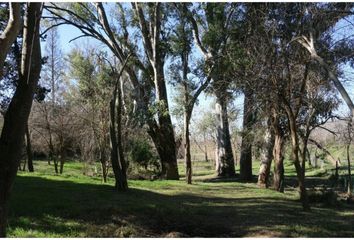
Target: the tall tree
pixel 146 70
pixel 182 47
pixel 52 79
pixel 12 135
pixel 117 155
pixel 218 21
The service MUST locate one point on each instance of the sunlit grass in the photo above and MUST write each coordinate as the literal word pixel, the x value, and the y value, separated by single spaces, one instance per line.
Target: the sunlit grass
pixel 44 204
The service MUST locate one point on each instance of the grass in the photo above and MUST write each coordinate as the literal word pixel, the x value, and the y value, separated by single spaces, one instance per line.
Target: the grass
pixel 74 205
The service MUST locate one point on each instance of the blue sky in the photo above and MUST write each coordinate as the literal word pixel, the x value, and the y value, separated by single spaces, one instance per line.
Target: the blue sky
pixel 344 29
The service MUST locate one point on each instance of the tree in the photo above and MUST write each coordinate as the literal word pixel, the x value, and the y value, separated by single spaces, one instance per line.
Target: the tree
pixel 190 91
pixel 266 155
pixel 117 155
pixel 52 79
pixel 145 73
pixel 91 96
pixel 9 35
pixel 16 116
pixel 247 135
pixel 308 44
pixel 212 44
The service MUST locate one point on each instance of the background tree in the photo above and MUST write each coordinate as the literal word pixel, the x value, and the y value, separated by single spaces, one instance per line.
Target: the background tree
pixel 52 79
pixel 151 22
pixel 190 91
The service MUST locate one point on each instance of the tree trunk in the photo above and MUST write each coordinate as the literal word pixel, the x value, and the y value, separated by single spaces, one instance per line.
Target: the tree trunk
pixel 300 170
pixel 123 183
pixel 166 144
pixel 247 137
pixel 225 166
pixel 9 35
pixel 117 155
pixel 350 183
pixel 50 142
pixel 167 152
pixel 187 147
pixel 104 171
pixel 55 160
pixel 62 161
pixel 16 117
pixel 266 157
pixel 114 144
pixel 29 150
pixel 278 181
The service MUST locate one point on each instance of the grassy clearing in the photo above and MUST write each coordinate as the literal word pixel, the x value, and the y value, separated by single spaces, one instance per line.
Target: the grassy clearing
pixel 75 205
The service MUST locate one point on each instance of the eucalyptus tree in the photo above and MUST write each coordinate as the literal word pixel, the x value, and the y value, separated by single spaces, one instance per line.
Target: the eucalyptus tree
pixel 212 24
pixel 281 75
pixel 16 116
pixel 143 33
pixel 182 43
pixel 9 34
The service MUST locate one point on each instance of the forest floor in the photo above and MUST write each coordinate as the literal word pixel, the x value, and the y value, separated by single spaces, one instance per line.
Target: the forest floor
pixel 74 205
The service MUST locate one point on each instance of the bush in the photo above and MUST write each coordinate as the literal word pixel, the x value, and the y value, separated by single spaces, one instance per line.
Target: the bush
pixel 141 154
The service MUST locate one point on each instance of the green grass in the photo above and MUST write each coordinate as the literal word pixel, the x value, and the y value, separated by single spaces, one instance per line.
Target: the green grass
pixel 74 205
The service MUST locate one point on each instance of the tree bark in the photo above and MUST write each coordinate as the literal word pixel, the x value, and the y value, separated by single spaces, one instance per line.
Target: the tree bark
pixel 29 150
pixel 166 146
pixel 266 157
pixel 9 35
pixel 278 181
pixel 123 183
pixel 104 171
pixel 16 117
pixel 62 161
pixel 224 159
pixel 187 146
pixel 117 155
pixel 114 144
pixel 247 137
pixel 300 171
pixel 350 183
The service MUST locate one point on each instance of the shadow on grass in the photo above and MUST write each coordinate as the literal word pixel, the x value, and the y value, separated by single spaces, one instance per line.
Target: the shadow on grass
pixel 64 208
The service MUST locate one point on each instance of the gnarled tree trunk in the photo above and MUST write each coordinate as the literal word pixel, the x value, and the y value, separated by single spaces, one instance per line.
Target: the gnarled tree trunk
pixel 167 144
pixel 224 159
pixel 278 153
pixel 300 170
pixel 117 155
pixel 247 137
pixel 16 117
pixel 266 157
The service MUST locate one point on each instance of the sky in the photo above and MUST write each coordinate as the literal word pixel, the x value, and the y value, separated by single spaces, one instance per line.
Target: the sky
pixel 344 29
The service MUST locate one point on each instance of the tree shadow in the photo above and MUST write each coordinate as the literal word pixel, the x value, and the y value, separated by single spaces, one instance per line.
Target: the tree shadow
pixel 66 208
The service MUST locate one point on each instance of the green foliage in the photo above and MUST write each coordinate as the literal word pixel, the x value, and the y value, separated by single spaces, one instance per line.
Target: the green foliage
pixel 159 107
pixel 141 153
pixel 84 12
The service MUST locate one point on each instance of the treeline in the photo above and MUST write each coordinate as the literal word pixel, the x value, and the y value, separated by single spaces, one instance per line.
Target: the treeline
pixel 284 57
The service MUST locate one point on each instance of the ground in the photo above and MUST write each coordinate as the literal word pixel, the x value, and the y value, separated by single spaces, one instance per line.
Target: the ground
pixel 74 205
